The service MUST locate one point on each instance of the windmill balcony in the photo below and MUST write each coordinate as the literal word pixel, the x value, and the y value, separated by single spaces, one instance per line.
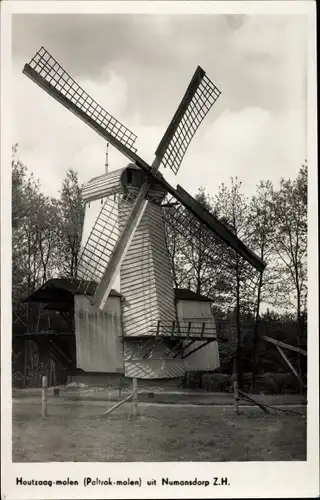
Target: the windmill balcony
pixel 178 330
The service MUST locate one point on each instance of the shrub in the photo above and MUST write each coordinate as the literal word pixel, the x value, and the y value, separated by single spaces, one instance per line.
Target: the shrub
pixel 277 383
pixel 216 382
pixel 267 383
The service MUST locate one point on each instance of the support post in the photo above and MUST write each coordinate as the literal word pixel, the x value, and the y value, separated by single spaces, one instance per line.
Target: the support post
pixel 120 385
pixel 44 396
pixel 158 328
pixel 294 371
pixel 189 328
pixel 235 386
pixel 173 329
pixel 236 394
pixel 202 329
pixel 134 397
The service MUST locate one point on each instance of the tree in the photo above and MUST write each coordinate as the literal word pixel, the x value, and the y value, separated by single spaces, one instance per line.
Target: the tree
pixel 195 253
pixel 71 209
pixel 233 208
pixel 290 210
pixel 34 238
pixel 262 223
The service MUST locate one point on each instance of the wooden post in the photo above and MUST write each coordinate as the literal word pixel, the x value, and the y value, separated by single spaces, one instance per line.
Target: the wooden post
pixel 25 364
pixel 235 386
pixel 158 328
pixel 202 330
pixel 120 385
pixel 189 328
pixel 173 328
pixel 134 397
pixel 44 396
pixel 236 394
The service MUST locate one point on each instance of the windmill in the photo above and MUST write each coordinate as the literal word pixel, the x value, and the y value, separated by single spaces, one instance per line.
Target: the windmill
pixel 127 238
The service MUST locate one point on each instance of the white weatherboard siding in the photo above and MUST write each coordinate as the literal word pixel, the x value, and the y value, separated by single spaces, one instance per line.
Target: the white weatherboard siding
pixel 98 335
pixel 145 276
pixel 102 186
pixel 153 368
pixel 206 358
pixel 146 285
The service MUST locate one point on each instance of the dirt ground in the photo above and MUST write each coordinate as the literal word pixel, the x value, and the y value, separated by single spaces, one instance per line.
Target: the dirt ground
pixel 73 432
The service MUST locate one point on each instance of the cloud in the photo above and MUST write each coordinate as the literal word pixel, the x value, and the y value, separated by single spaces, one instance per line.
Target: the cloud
pixel 51 139
pixel 138 67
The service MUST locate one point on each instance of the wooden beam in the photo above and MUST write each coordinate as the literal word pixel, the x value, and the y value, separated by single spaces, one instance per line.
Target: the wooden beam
pixel 196 348
pixel 150 350
pixel 178 349
pixel 290 365
pixel 180 194
pixel 60 351
pixel 120 250
pixel 117 405
pixel 175 122
pixel 189 328
pixel 134 397
pixel 173 329
pixel 213 223
pixel 202 329
pixel 56 94
pixel 283 344
pixel 245 396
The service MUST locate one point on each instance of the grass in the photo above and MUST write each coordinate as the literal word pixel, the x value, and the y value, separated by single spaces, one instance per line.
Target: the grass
pixel 72 433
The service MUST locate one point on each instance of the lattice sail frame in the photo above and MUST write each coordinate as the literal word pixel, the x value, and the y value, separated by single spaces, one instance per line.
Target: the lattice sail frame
pixel 201 94
pixel 199 97
pixel 45 66
pixel 197 102
pixel 97 250
pixel 221 257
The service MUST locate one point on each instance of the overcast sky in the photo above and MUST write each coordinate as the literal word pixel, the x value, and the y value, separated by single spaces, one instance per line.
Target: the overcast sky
pixel 138 67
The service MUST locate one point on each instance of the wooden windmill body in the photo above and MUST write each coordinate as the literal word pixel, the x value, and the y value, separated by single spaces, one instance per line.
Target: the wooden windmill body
pixel 148 302
pixel 145 328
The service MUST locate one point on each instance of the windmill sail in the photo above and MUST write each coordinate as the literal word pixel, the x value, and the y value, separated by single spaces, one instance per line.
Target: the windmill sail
pixel 127 239
pixel 187 236
pixel 103 253
pixel 200 96
pixel 46 72
pixel 217 227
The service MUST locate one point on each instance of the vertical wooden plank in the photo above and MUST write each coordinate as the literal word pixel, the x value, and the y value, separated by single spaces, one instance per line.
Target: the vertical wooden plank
pixel 44 396
pixel 189 328
pixel 173 329
pixel 158 328
pixel 134 396
pixel 202 329
pixel 120 384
